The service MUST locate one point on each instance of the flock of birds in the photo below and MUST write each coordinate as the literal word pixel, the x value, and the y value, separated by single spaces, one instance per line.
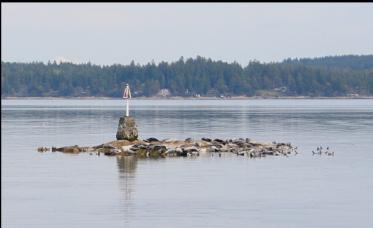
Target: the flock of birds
pixel 319 151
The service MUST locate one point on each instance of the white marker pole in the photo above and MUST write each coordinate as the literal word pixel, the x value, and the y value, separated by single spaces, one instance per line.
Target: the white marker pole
pixel 127 108
pixel 127 96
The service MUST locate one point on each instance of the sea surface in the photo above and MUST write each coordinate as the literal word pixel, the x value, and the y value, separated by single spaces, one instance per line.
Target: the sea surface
pixel 63 190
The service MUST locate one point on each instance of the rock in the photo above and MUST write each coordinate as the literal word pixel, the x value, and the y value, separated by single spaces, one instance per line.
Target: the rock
pixel 156 151
pixel 239 143
pixel 127 129
pixel 154 154
pixel 116 144
pixel 98 146
pixel 108 146
pixel 160 148
pixel 70 149
pixel 110 153
pixel 280 144
pixel 137 147
pixel 102 150
pixel 203 150
pixel 85 149
pixel 268 153
pixel 120 143
pixel 127 148
pixel 172 153
pixel 234 150
pixel 255 144
pixel 142 153
pixel 154 148
pixel 43 149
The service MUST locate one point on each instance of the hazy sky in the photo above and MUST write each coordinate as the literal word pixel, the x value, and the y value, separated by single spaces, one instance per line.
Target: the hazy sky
pixel 107 33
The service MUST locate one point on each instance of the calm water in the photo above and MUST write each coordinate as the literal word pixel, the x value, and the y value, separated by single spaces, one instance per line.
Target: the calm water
pixel 61 190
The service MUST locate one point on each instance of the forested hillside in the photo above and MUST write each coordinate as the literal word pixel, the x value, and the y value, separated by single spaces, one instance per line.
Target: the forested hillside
pixel 328 76
pixel 346 61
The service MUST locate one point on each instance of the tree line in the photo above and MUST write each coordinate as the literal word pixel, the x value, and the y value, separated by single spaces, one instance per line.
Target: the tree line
pixel 327 76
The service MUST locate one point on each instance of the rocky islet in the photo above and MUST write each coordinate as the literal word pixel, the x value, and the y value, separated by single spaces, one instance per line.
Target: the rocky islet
pixel 128 144
pixel 154 148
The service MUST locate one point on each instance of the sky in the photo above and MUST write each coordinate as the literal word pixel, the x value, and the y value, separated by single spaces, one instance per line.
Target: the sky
pixel 117 33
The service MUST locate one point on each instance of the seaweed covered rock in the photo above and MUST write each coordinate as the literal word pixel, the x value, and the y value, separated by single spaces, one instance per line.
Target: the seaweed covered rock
pixel 127 129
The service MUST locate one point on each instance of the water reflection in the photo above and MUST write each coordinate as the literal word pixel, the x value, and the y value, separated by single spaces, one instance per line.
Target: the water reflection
pixel 127 173
pixel 188 192
pixel 127 168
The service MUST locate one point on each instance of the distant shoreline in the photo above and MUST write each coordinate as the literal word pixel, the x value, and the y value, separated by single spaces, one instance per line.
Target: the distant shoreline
pixel 184 98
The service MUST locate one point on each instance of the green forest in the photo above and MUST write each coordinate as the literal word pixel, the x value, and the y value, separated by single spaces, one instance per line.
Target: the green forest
pixel 349 75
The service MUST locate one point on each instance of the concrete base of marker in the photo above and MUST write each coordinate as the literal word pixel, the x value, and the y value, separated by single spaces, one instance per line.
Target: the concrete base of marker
pixel 127 129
